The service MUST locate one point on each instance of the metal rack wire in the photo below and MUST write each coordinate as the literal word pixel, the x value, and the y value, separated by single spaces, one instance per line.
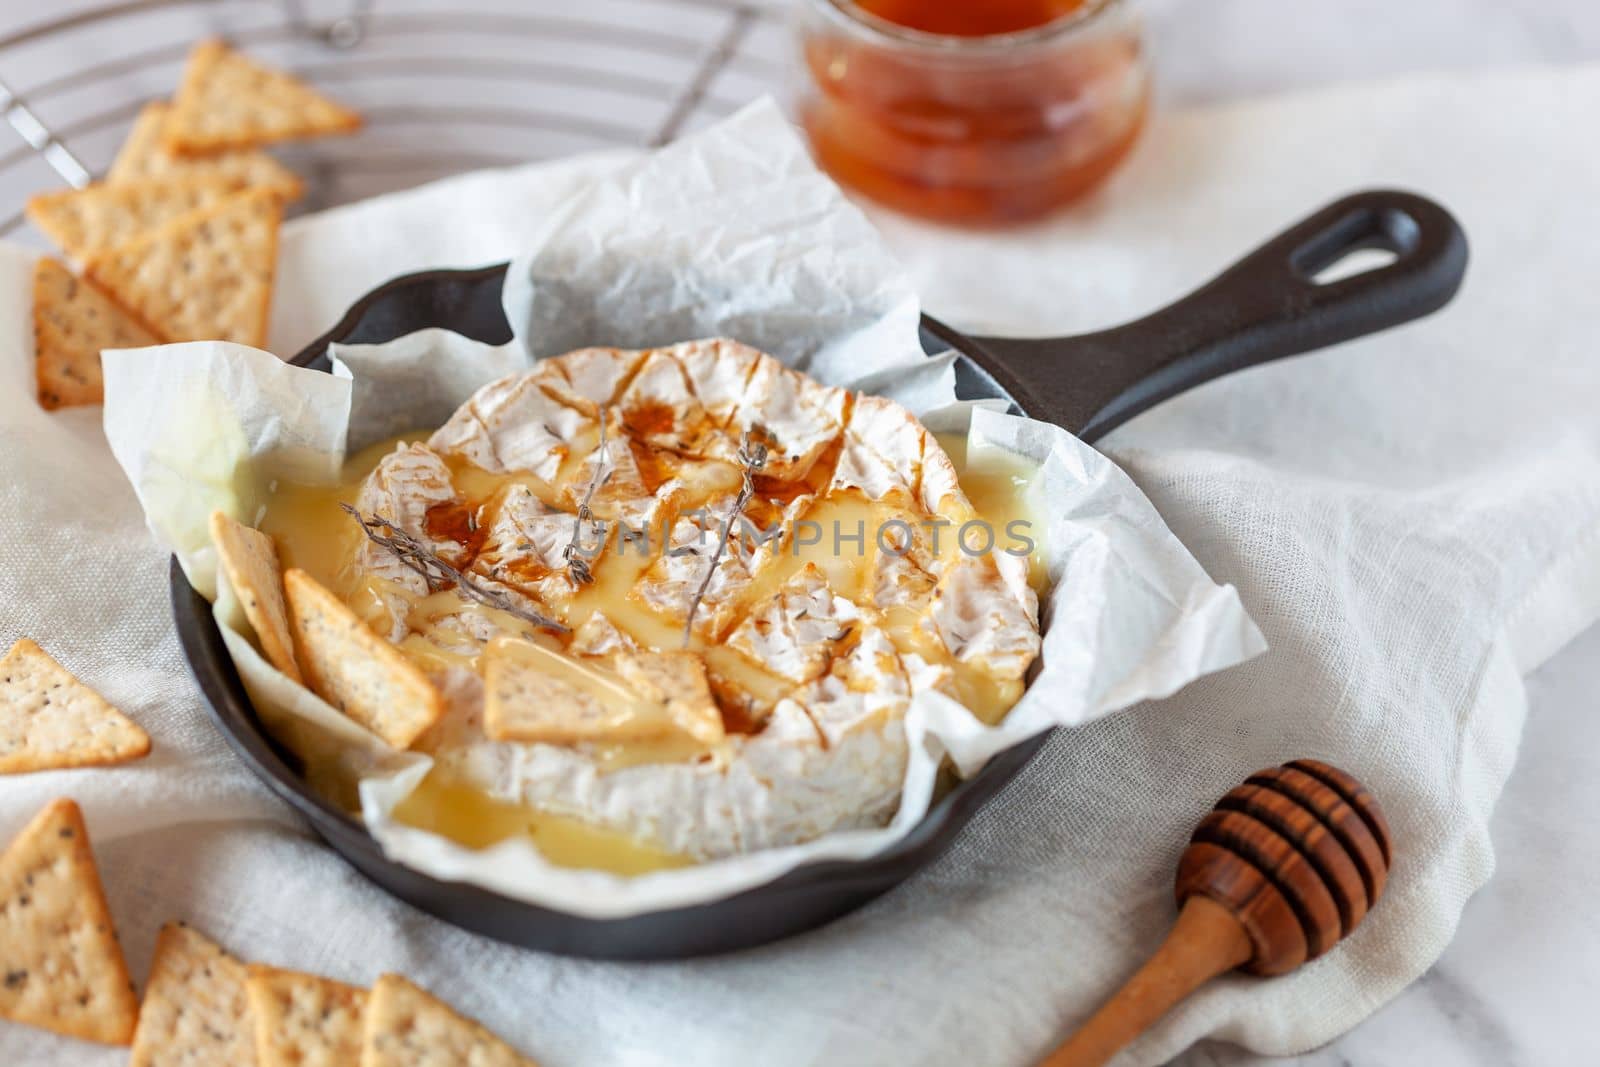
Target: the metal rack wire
pixel 446 87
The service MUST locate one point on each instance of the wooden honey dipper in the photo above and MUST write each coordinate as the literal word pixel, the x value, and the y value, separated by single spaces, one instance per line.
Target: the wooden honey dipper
pixel 1281 869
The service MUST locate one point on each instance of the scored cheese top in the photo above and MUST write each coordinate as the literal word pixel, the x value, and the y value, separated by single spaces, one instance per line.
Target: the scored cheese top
pixel 706 702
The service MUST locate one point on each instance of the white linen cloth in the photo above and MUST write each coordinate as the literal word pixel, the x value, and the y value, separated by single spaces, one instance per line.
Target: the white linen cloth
pixel 1413 519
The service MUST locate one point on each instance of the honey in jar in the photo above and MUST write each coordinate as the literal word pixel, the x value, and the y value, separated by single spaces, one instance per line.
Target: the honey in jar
pixel 973 18
pixel 972 111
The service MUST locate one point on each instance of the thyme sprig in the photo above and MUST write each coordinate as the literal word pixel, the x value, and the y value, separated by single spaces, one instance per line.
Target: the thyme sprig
pixel 577 566
pixel 752 459
pixel 438 574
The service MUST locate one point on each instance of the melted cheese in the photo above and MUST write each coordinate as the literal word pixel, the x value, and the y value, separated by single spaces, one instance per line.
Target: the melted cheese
pixel 312 531
pixel 1003 489
pixel 672 748
pixel 466 815
pixel 475 483
pixel 443 629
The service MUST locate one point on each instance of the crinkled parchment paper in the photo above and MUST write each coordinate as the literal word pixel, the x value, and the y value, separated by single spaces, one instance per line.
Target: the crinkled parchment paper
pixel 732 232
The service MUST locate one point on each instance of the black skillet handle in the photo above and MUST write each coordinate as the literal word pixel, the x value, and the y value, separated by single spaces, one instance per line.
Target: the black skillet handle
pixel 1266 306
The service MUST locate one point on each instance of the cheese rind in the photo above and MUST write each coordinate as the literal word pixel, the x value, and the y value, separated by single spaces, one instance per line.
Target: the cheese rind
pixel 710 698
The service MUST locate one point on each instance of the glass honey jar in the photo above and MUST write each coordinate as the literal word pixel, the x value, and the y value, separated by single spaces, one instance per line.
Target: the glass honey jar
pixel 976 112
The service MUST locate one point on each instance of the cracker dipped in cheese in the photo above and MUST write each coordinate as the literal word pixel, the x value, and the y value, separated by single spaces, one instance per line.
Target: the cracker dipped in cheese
pixel 708 590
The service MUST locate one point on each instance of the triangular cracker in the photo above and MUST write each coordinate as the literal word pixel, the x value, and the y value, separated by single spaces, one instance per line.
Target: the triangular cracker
pixel 250 559
pixel 195 1010
pixel 84 221
pixel 228 101
pixel 60 965
pixel 206 276
pixel 407 1026
pixel 49 719
pixel 72 322
pixel 144 156
pixel 532 694
pixel 354 669
pixel 304 1020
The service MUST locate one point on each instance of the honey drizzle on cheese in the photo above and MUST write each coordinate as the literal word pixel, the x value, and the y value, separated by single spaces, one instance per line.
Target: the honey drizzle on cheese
pixel 313 533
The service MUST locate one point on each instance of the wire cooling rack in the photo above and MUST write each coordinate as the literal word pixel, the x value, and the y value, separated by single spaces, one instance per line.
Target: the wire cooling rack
pixel 446 85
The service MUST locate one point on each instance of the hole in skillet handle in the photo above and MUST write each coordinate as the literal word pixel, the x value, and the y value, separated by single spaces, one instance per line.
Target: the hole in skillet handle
pixel 468 302
pixel 1269 305
pixel 1357 261
pixel 1376 237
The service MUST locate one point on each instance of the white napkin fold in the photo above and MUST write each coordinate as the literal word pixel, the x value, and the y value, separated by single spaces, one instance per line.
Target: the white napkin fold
pixel 1413 519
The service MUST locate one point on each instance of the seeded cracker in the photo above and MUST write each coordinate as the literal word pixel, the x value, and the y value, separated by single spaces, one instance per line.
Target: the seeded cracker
pixel 250 560
pixel 304 1020
pixel 72 322
pixel 195 1013
pixel 61 968
pixel 407 1026
pixel 84 221
pixel 525 701
pixel 50 720
pixel 660 694
pixel 676 681
pixel 354 669
pixel 143 156
pixel 205 276
pixel 228 101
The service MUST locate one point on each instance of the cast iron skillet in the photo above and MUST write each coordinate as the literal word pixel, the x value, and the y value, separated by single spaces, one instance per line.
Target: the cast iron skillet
pixel 1265 307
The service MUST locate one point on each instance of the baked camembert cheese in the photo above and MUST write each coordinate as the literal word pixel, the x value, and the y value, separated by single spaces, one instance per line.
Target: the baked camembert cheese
pixel 698 593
